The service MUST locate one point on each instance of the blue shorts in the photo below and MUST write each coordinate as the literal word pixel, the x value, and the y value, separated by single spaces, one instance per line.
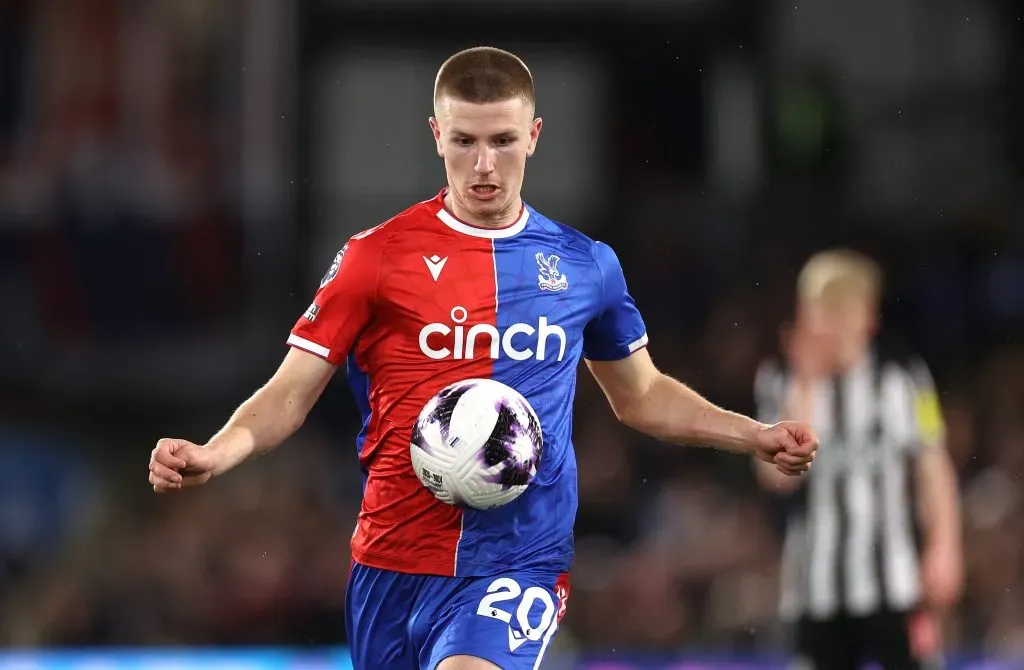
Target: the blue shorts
pixel 398 621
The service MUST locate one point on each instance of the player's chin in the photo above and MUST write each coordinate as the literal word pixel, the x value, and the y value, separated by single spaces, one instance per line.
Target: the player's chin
pixel 486 210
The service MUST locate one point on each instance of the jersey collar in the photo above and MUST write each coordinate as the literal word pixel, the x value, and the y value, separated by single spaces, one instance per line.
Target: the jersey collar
pixel 455 224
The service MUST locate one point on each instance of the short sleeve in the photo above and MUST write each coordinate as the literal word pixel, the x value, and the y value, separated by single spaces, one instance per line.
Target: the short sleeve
pixel 343 304
pixel 912 405
pixel 927 409
pixel 618 329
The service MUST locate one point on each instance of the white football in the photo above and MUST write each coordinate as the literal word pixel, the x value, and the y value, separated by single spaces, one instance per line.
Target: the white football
pixel 477 443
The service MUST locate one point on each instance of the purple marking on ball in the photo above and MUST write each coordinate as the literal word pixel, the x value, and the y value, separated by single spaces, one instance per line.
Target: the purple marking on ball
pixel 441 414
pixel 499 449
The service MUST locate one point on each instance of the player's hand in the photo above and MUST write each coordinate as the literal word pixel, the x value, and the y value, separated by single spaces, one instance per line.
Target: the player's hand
pixel 942 575
pixel 175 464
pixel 925 632
pixel 789 445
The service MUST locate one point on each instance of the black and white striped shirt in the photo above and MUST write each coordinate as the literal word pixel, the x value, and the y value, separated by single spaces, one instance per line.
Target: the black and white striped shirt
pixel 852 537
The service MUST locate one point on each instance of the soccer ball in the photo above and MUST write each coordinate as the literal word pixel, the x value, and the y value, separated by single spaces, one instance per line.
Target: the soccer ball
pixel 477 443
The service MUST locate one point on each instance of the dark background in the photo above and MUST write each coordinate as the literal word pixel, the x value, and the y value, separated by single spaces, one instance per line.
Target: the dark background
pixel 176 175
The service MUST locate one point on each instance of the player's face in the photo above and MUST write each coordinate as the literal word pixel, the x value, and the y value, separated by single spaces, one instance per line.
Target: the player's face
pixel 846 325
pixel 485 147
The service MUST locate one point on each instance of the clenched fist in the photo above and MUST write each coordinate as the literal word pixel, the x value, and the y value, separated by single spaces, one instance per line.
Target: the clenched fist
pixel 789 445
pixel 175 464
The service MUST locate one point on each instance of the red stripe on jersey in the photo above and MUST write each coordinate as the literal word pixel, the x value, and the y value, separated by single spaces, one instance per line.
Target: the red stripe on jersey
pixel 430 276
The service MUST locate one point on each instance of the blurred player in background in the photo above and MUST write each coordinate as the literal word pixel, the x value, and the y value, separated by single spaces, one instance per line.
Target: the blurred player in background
pixel 434 585
pixel 873 550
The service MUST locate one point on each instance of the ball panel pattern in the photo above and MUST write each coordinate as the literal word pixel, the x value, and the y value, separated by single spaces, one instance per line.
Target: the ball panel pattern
pixel 477 443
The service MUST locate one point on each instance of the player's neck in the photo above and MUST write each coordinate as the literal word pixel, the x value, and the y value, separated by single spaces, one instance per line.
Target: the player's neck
pixel 502 219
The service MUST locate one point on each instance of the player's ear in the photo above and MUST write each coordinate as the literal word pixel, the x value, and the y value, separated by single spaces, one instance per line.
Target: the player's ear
pixel 534 135
pixel 436 129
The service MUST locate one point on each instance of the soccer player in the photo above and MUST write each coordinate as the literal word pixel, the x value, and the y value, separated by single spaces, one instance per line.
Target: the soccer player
pixel 857 582
pixel 434 585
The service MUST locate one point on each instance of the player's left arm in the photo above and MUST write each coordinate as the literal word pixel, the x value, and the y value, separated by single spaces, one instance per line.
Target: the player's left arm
pixel 644 398
pixel 654 403
pixel 938 495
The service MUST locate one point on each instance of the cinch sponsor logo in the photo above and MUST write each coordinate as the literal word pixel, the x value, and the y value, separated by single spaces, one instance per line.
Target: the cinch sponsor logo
pixel 520 341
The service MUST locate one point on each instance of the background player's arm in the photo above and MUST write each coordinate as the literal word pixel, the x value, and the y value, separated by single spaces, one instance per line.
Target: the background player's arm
pixel 938 496
pixel 938 500
pixel 939 509
pixel 650 401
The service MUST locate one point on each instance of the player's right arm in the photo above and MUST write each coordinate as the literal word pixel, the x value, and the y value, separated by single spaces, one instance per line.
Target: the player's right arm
pixel 265 420
pixel 320 340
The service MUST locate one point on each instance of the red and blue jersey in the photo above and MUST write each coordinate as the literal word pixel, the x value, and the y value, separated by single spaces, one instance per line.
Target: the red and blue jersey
pixel 425 300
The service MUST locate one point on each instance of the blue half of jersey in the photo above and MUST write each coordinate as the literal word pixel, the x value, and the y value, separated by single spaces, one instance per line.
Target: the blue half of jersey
pixel 553 271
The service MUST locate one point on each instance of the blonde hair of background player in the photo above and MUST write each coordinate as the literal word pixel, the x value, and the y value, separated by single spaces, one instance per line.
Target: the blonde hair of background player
pixel 838 296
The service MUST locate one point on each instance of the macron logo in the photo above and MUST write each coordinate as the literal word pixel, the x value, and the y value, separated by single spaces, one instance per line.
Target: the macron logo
pixel 435 264
pixel 515 639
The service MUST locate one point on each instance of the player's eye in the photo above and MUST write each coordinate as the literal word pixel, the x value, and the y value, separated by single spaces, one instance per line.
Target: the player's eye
pixel 464 141
pixel 504 141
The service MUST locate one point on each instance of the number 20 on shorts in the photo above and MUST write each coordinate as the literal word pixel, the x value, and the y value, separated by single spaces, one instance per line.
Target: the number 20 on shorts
pixel 504 590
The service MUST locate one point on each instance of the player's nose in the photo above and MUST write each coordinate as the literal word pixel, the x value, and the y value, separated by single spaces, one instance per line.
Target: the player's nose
pixel 484 161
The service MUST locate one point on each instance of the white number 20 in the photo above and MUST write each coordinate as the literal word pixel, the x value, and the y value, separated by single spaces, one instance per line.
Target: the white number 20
pixel 503 589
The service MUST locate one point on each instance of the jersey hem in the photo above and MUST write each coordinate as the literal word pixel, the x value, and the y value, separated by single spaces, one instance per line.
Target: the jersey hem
pixel 403 564
pixel 618 356
pixel 304 345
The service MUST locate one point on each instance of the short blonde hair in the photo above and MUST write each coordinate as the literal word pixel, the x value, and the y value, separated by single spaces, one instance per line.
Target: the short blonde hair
pixel 840 274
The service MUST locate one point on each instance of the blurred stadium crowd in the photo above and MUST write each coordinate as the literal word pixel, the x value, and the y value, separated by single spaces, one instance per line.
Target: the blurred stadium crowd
pixel 119 233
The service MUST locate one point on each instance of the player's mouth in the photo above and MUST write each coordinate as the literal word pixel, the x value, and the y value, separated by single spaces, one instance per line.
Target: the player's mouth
pixel 483 191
